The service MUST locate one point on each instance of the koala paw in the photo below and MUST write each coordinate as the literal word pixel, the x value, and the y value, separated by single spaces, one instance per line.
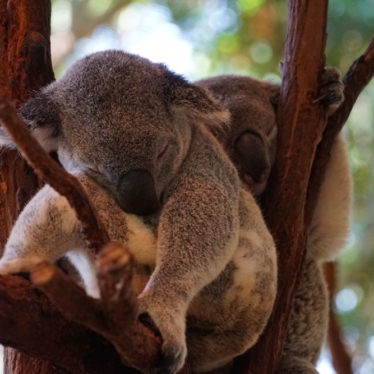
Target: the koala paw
pixel 18 265
pixel 331 90
pixel 169 324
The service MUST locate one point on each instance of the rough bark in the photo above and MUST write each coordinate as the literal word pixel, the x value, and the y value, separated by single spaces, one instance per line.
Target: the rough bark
pixel 24 66
pixel 30 323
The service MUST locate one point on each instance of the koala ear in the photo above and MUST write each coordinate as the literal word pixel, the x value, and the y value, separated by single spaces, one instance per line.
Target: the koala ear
pixel 274 95
pixel 42 118
pixel 195 101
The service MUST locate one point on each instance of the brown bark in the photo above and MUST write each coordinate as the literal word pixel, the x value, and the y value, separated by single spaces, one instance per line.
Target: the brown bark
pixel 114 315
pixel 30 323
pixel 24 66
pixel 54 331
pixel 16 362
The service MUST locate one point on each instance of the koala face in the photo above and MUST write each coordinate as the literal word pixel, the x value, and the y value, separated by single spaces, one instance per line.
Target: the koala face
pixel 122 120
pixel 250 140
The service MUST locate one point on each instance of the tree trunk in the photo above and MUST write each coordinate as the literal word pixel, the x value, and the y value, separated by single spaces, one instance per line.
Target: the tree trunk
pixel 25 65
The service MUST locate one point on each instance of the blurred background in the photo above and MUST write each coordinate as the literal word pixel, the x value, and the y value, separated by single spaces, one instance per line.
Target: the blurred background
pixel 199 38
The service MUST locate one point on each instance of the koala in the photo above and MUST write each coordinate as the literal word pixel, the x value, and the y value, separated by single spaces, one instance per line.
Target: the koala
pixel 139 138
pixel 250 142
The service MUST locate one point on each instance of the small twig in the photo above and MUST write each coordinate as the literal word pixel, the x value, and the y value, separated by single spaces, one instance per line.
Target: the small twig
pixel 53 174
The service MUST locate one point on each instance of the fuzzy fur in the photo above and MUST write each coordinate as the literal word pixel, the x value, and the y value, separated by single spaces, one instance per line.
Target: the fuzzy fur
pixel 206 257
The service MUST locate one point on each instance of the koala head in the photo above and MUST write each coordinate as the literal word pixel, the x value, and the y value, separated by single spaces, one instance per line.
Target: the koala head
pixel 250 140
pixel 123 121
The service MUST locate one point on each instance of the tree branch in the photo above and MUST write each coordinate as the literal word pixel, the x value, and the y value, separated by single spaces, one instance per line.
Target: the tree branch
pixel 300 123
pixel 30 323
pixel 358 76
pixel 114 316
pixel 53 174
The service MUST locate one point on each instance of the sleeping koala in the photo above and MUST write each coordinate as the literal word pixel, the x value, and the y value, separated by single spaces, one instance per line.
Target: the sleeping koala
pixel 250 141
pixel 135 135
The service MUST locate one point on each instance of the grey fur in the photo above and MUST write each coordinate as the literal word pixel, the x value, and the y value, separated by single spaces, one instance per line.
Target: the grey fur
pixel 122 124
pixel 252 104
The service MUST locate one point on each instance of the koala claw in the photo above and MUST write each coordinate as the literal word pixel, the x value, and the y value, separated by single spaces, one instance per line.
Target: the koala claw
pixel 171 360
pixel 166 322
pixel 331 91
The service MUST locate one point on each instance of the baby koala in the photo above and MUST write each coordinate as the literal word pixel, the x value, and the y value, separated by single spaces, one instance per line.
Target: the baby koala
pixel 138 138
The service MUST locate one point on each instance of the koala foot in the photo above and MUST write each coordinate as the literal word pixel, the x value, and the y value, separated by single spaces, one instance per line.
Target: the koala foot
pixel 168 323
pixel 20 265
pixel 331 90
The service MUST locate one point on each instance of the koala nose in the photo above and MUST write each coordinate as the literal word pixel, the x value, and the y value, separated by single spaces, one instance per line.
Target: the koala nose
pixel 253 156
pixel 137 193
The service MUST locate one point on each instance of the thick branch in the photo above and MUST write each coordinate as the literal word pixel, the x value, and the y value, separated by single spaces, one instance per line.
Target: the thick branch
pixel 29 55
pixel 4 88
pixel 25 66
pixel 300 123
pixel 30 323
pixel 53 174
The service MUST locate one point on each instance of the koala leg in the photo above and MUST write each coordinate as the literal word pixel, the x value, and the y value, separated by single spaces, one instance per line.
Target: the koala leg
pixel 227 316
pixel 329 228
pixel 45 230
pixel 307 324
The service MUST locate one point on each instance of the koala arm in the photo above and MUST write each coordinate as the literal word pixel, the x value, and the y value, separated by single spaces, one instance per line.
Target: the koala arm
pixel 197 235
pixel 46 229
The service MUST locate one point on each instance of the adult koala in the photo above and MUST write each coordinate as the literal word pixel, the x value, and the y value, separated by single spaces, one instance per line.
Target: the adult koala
pixel 250 141
pixel 135 134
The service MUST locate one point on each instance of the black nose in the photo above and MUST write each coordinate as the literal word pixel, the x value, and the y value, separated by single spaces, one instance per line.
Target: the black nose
pixel 253 156
pixel 137 193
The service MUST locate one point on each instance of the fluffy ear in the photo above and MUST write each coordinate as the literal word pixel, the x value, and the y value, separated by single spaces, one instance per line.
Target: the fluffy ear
pixel 195 101
pixel 42 118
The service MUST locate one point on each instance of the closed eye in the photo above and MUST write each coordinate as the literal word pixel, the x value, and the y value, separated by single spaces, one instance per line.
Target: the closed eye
pixel 162 153
pixel 93 171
